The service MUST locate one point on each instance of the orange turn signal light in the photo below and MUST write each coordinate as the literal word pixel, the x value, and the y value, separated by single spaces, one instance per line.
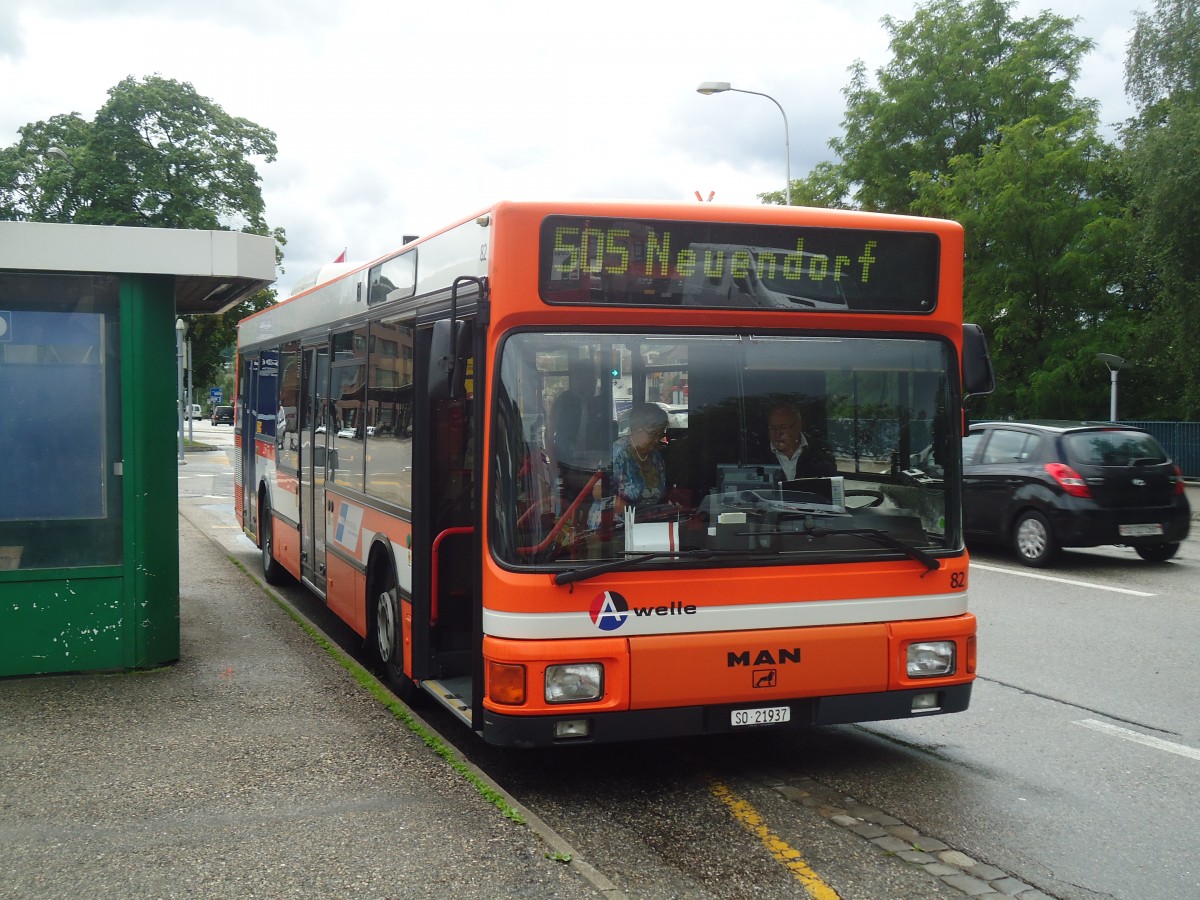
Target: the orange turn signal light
pixel 506 683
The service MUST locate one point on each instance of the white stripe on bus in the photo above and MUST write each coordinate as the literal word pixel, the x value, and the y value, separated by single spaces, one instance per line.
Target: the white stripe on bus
pixel 748 617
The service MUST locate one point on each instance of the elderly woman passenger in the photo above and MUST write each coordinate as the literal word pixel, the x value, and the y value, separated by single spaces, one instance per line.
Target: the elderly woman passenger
pixel 639 473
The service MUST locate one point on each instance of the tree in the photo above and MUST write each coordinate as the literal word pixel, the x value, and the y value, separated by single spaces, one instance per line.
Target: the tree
pixel 959 73
pixel 825 186
pixel 975 118
pixel 1045 233
pixel 1162 150
pixel 158 154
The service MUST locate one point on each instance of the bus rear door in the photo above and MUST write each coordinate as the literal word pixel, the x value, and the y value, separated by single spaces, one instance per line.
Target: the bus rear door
pixel 314 433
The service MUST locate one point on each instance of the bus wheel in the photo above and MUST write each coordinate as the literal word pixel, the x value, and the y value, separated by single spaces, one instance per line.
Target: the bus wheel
pixel 273 571
pixel 386 640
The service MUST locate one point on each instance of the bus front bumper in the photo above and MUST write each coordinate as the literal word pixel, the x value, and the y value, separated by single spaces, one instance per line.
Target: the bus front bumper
pixel 683 721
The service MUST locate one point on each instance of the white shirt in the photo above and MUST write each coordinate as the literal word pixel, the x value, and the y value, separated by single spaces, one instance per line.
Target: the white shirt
pixel 789 463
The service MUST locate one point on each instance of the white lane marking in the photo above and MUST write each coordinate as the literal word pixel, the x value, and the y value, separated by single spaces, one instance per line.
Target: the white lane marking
pixel 1086 584
pixel 1139 738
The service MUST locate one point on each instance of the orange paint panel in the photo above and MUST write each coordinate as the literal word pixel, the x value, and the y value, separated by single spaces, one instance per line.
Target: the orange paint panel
pixel 536 656
pixel 406 614
pixel 758 666
pixel 286 547
pixel 345 593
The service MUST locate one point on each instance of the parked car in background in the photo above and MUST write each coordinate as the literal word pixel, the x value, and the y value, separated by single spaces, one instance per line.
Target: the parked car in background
pixel 193 412
pixel 1041 486
pixel 222 415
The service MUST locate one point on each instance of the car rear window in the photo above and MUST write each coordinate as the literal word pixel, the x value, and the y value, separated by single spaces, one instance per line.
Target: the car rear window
pixel 1113 448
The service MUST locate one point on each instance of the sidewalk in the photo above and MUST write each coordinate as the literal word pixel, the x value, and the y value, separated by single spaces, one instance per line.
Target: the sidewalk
pixel 255 767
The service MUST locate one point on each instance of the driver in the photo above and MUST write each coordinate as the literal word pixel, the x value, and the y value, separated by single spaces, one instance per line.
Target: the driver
pixel 791 449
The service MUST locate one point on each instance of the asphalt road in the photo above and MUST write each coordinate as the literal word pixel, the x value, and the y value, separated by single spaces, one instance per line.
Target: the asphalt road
pixel 1075 774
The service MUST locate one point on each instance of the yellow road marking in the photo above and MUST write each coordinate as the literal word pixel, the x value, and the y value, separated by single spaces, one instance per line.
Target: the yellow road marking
pixel 749 819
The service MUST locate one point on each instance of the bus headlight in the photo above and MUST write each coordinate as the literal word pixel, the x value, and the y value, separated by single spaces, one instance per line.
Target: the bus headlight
pixel 574 682
pixel 930 658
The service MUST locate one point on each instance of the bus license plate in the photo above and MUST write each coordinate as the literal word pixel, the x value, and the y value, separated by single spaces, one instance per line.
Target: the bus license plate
pixel 1151 530
pixel 769 715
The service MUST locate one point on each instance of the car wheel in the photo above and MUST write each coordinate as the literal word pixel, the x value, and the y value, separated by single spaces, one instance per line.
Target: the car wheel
pixel 386 639
pixel 1033 539
pixel 1156 552
pixel 273 570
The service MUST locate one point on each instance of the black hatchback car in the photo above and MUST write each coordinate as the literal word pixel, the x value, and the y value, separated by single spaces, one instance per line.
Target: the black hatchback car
pixel 222 415
pixel 1041 486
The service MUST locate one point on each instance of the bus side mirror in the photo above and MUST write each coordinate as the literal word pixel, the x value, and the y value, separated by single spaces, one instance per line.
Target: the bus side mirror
pixel 977 375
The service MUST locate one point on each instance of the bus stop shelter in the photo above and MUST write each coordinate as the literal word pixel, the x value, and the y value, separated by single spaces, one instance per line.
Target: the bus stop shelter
pixel 89 502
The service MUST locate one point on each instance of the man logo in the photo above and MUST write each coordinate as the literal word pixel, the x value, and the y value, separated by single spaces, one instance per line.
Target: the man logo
pixel 609 611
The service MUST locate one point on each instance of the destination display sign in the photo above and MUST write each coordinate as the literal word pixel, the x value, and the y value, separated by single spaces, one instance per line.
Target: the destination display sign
pixel 644 262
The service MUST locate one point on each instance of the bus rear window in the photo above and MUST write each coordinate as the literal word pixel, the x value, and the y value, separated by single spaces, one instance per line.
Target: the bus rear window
pixel 642 262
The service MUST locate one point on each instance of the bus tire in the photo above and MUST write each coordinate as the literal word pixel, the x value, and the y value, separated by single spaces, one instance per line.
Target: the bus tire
pixel 273 570
pixel 385 635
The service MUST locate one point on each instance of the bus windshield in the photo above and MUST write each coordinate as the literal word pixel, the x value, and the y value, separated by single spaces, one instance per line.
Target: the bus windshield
pixel 700 449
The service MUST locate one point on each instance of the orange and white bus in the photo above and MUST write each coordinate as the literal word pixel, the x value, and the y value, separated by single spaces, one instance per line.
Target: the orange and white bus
pixel 527 459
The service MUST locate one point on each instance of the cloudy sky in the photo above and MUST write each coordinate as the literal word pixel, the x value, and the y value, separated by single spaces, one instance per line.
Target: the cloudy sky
pixel 398 118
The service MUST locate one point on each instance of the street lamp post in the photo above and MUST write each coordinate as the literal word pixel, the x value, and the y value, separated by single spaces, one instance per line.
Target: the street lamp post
pixel 190 368
pixel 180 330
pixel 1113 364
pixel 709 88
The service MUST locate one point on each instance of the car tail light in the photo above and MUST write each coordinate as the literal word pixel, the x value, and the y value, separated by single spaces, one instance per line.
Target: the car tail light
pixel 1179 489
pixel 1069 480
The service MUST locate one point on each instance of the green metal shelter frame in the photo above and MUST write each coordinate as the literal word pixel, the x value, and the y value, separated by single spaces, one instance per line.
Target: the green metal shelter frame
pixel 89 537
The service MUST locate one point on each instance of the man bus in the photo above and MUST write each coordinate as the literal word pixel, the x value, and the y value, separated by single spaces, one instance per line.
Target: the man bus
pixel 396 457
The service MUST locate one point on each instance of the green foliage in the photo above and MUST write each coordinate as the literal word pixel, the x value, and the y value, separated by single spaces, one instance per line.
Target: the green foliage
pixel 212 336
pixel 1164 55
pixel 826 186
pixel 960 72
pixel 1162 153
pixel 35 187
pixel 1043 238
pixel 1073 246
pixel 158 154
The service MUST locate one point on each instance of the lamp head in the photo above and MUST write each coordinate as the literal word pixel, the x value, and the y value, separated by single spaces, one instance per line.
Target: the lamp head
pixel 712 87
pixel 1113 362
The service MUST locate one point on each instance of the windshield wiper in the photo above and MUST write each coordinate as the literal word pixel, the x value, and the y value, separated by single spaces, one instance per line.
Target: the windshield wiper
pixel 882 537
pixel 628 562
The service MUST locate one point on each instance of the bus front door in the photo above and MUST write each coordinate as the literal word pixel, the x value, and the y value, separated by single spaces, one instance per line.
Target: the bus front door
pixel 453 645
pixel 314 435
